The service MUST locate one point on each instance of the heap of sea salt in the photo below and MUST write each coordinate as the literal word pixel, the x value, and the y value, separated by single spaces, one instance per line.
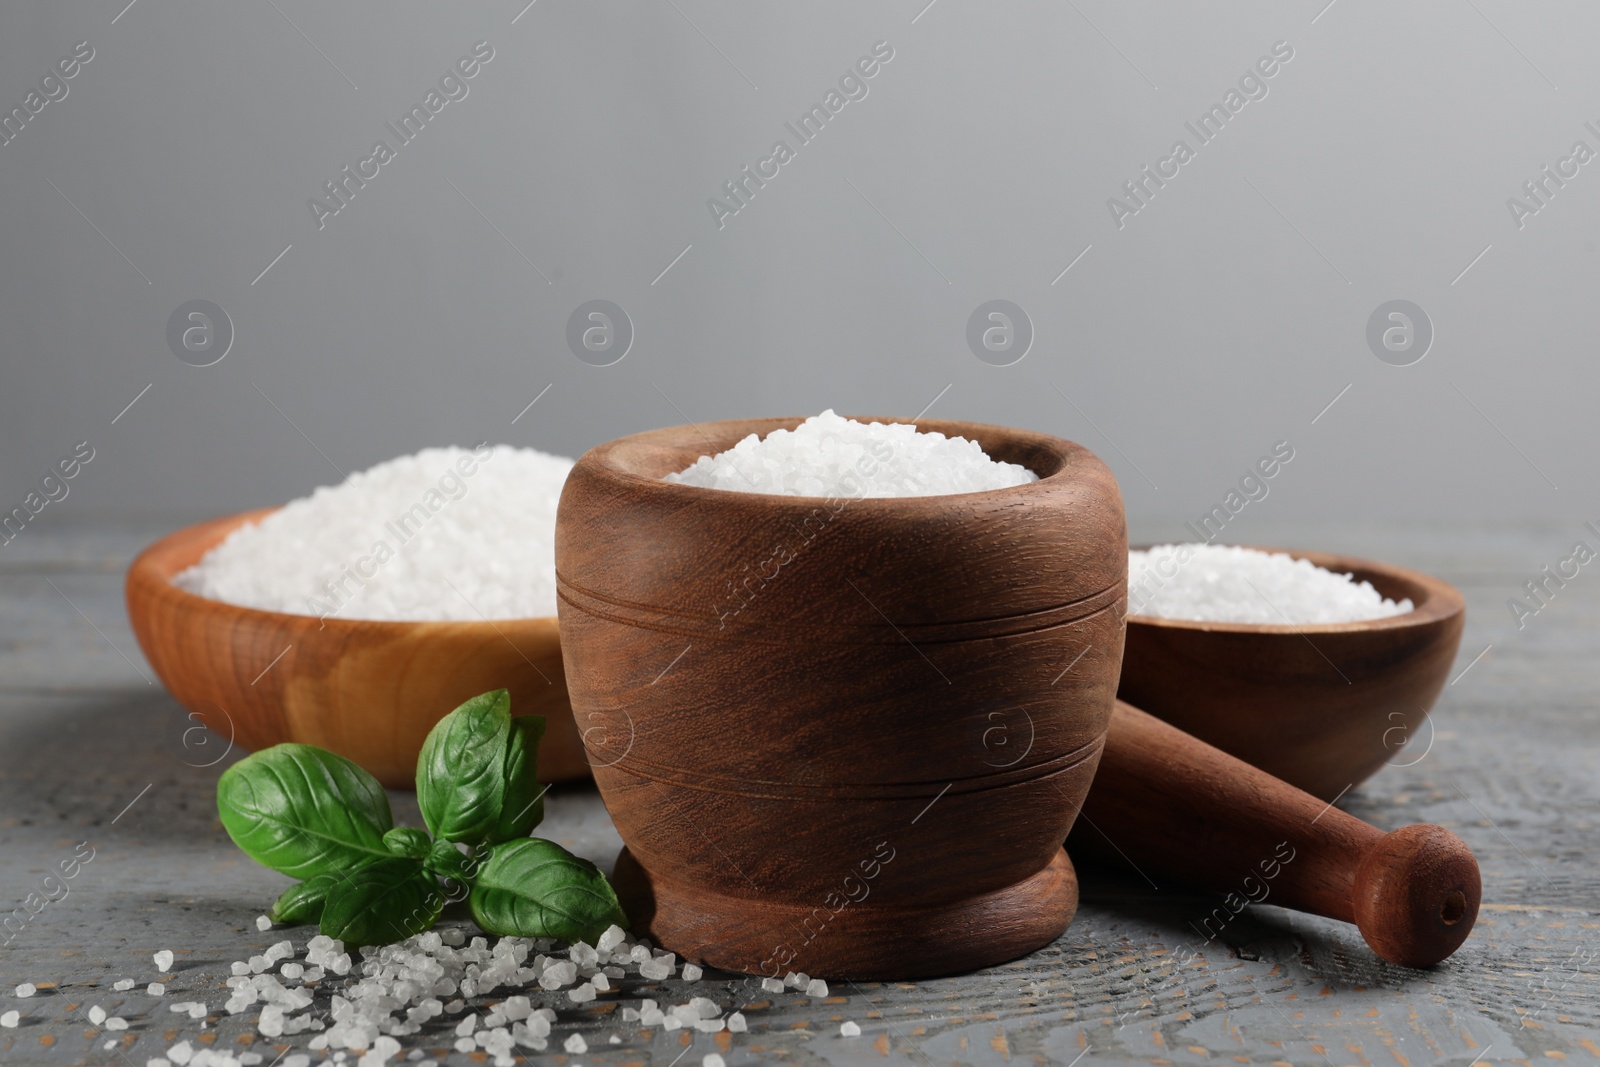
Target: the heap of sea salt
pixel 831 456
pixel 1227 583
pixel 446 533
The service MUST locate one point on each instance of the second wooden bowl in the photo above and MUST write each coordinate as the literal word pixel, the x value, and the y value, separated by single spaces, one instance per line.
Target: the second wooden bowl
pixel 1321 706
pixel 842 736
pixel 368 690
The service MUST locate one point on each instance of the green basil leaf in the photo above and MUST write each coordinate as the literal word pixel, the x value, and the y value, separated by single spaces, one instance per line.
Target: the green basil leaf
pixel 461 769
pixel 302 902
pixel 447 861
pixel 522 805
pixel 536 888
pixel 408 841
pixel 303 810
pixel 382 902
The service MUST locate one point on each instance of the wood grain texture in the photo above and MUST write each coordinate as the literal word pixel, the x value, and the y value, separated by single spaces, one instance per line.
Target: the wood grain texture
pixel 1177 806
pixel 368 690
pixel 1321 706
pixel 825 682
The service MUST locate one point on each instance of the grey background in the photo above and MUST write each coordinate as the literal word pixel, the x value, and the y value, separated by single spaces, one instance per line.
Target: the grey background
pixel 1223 317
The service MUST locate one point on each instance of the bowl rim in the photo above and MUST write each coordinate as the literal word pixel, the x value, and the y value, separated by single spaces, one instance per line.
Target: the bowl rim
pixel 1065 449
pixel 151 575
pixel 1439 601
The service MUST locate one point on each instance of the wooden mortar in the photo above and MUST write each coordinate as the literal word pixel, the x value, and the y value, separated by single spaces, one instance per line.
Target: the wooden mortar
pixel 842 736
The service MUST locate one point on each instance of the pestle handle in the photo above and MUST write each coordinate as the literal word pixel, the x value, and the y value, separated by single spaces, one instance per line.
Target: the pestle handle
pixel 1175 806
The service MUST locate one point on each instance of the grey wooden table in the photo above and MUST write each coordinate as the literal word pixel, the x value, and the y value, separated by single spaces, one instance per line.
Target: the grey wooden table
pixel 92 750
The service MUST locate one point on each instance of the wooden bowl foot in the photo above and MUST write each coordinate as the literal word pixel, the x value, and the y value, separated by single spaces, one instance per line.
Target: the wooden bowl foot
pixel 861 940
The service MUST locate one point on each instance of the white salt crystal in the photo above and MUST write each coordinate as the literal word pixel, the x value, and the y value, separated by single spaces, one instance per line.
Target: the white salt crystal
pixel 465 1027
pixel 163 960
pixel 816 988
pixel 181 1053
pixel 849 1029
pixel 124 985
pixel 709 1026
pixel 613 937
pixel 737 1024
pixel 1229 583
pixel 772 985
pixel 831 456
pixel 630 1015
pixel 712 1059
pixel 116 1022
pixel 478 521
pixel 576 1044
pixel 10 1019
pixel 581 994
pixel 97 1015
pixel 27 989
pixel 263 923
pixel 692 972
pixel 156 989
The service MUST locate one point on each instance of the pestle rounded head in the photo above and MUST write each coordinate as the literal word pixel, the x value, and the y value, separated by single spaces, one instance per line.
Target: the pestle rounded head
pixel 1416 895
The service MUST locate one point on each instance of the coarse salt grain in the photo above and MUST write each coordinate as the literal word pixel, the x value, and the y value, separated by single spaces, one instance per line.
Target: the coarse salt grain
pixel 1229 583
pixel 263 923
pixel 163 960
pixel 123 986
pixel 828 455
pixel 444 534
pixel 156 989
pixel 10 1019
pixel 27 989
pixel 849 1029
pixel 816 988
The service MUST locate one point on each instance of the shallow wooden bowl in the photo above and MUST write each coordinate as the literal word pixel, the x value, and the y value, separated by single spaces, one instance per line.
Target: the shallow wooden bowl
pixel 368 690
pixel 1321 706
pixel 841 736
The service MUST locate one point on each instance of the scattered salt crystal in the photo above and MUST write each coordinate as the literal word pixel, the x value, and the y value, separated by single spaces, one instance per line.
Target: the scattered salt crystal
pixel 163 960
pixel 466 1044
pixel 10 1019
pixel 849 1029
pixel 400 540
pixel 156 989
pixel 709 1026
pixel 656 970
pixel 793 980
pixel 576 1044
pixel 97 1015
pixel 692 972
pixel 124 985
pixel 831 456
pixel 181 1053
pixel 465 1027
pixel 772 985
pixel 712 1059
pixel 1229 583
pixel 630 1015
pixel 263 923
pixel 27 989
pixel 116 1022
pixel 816 988
pixel 292 970
pixel 581 994
pixel 613 937
pixel 600 982
pixel 671 1022
pixel 737 1024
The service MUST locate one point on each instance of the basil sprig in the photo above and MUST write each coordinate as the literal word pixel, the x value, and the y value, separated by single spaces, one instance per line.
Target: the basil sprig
pixel 317 816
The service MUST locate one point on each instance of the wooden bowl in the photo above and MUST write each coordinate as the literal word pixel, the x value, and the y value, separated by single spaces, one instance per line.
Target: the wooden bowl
pixel 1321 706
pixel 842 736
pixel 369 690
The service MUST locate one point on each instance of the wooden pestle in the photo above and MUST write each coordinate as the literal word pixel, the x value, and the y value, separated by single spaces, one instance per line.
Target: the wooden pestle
pixel 1175 806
